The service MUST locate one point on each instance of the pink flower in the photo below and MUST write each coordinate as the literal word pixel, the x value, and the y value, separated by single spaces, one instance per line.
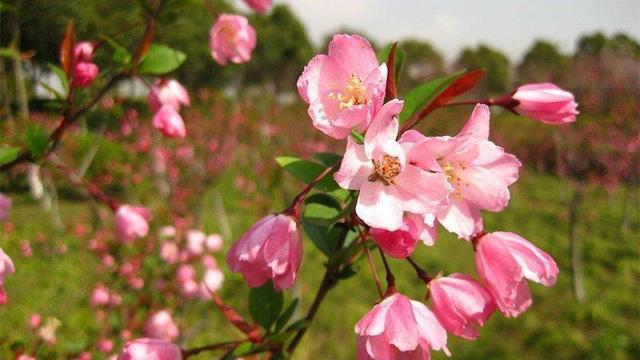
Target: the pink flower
pixel 399 328
pixel 131 222
pixel 345 88
pixel 161 326
pixel 25 357
pixel 84 73
pixel 168 92
pixel 169 252
pixel 83 51
pixel 271 249
pixel 169 122
pixel 504 260
pixel 401 243
pixel 261 6
pixel 211 281
pixel 389 185
pixel 195 242
pixel 34 321
pixel 100 295
pixel 546 102
pixel 5 206
pixel 150 349
pixel 4 298
pixel 479 171
pixel 232 39
pixel 461 304
pixel 6 266
pixel 105 345
pixel 214 242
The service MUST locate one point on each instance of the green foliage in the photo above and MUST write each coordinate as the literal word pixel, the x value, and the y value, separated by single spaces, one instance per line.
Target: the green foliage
pixel 306 171
pixel 8 154
pixel 383 57
pixel 494 62
pixel 423 62
pixel 37 140
pixel 265 304
pixel 161 59
pixel 419 97
pixel 542 62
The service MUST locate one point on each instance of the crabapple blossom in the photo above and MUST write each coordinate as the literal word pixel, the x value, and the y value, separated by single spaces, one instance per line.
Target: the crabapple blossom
pixel 34 321
pixel 100 296
pixel 83 51
pixel 84 73
pixel 169 252
pixel 270 249
pixel 131 222
pixel 195 242
pixel 479 171
pixel 399 328
pixel 169 122
pixel 461 304
pixel 546 102
pixel 504 260
pixel 345 88
pixel 389 185
pixel 214 242
pixel 168 92
pixel 261 6
pixel 150 349
pixel 105 345
pixel 6 266
pixel 232 39
pixel 5 206
pixel 161 326
pixel 400 243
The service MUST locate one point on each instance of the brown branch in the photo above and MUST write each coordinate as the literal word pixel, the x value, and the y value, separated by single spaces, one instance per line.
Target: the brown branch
pixel 217 346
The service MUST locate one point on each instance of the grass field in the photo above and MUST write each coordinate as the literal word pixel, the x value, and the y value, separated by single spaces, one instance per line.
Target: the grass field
pixel 605 326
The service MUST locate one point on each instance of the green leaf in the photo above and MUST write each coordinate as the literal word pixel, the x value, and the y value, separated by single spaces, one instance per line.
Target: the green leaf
pixel 8 154
pixel 242 350
pixel 343 254
pixel 307 171
pixel 9 53
pixel 383 57
pixel 297 325
pixel 265 304
pixel 286 315
pixel 422 95
pixel 322 209
pixel 37 140
pixel 64 80
pixel 161 59
pixel 120 54
pixel 327 159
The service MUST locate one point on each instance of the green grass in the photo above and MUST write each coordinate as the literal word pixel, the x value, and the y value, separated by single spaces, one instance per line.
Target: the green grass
pixel 556 326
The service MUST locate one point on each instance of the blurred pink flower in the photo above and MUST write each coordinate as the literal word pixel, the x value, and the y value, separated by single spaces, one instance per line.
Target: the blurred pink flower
pixel 168 92
pixel 389 185
pixel 6 266
pixel 261 6
pixel 105 345
pixel 399 328
pixel 195 242
pixel 131 222
pixel 5 206
pixel 100 295
pixel 546 102
pixel 169 252
pixel 169 122
pixel 214 242
pixel 232 39
pixel 84 73
pixel 344 89
pixel 270 249
pixel 504 260
pixel 161 326
pixel 150 349
pixel 461 304
pixel 34 321
pixel 83 51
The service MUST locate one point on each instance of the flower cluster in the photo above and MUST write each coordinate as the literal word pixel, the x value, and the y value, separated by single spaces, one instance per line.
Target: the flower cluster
pixel 166 96
pixel 406 184
pixel 85 71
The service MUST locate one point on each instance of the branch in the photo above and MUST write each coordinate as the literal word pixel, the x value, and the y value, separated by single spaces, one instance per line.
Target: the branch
pixel 217 346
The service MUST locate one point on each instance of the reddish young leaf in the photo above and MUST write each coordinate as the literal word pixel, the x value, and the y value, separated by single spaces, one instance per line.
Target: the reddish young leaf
pixel 66 48
pixel 391 92
pixel 460 86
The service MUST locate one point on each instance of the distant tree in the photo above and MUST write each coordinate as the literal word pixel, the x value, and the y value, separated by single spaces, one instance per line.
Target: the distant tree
pixel 494 62
pixel 542 62
pixel 591 44
pixel 422 63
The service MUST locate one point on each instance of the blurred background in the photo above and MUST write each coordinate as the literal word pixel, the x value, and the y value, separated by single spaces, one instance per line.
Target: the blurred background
pixel 577 197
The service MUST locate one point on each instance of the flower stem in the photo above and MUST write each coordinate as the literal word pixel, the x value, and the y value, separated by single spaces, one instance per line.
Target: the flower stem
pixel 391 280
pixel 217 346
pixel 422 274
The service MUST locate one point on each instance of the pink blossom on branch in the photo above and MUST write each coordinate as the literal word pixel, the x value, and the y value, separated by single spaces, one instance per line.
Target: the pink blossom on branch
pixel 400 243
pixel 389 185
pixel 461 304
pixel 270 249
pixel 83 51
pixel 131 222
pixel 150 349
pixel 232 39
pixel 504 260
pixel 84 73
pixel 546 102
pixel 168 92
pixel 169 122
pixel 399 328
pixel 345 88
pixel 479 171
pixel 261 6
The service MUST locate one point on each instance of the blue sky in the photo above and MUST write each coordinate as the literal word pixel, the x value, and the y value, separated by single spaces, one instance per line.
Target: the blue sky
pixel 451 25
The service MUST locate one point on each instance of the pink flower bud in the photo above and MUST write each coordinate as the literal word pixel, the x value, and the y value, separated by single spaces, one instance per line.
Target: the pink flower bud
pixel 209 262
pixel 6 266
pixel 100 296
pixel 105 345
pixel 399 328
pixel 399 243
pixel 271 249
pixel 161 326
pixel 214 242
pixel 131 222
pixel 83 51
pixel 34 321
pixel 261 6
pixel 150 349
pixel 195 242
pixel 232 39
pixel 5 206
pixel 546 102
pixel 169 122
pixel 504 260
pixel 169 252
pixel 461 304
pixel 84 73
pixel 213 280
pixel 168 92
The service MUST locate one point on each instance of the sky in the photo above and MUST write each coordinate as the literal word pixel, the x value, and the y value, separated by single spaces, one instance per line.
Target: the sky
pixel 450 25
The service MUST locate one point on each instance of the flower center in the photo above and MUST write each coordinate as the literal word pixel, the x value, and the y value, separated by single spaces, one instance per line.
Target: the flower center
pixel 386 170
pixel 452 176
pixel 354 93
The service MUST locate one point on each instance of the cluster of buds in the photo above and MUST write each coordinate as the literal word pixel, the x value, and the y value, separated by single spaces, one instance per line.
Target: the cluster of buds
pixel 166 97
pixel 85 71
pixel 406 184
